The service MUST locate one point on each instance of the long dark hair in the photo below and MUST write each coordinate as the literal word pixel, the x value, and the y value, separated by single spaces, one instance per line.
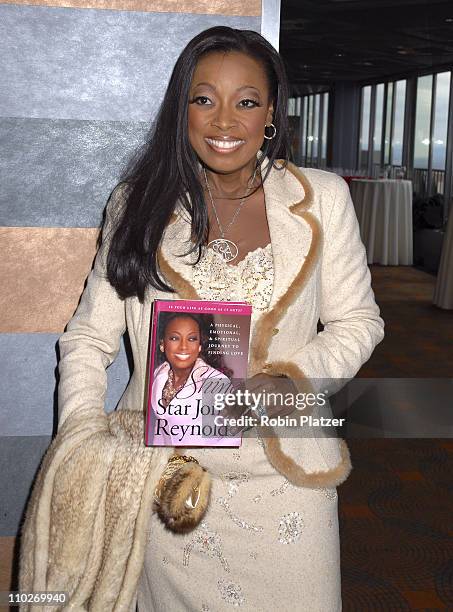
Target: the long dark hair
pixel 166 168
pixel 205 323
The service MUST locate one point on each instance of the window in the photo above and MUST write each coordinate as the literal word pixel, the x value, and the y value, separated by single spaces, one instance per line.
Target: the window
pixel 303 131
pixel 431 129
pixel 382 116
pixel 439 140
pixel 398 124
pixel 309 129
pixel 309 139
pixel 415 145
pixel 422 121
pixel 388 125
pixel 325 104
pixel 378 124
pixel 315 130
pixel 293 125
pixel 365 127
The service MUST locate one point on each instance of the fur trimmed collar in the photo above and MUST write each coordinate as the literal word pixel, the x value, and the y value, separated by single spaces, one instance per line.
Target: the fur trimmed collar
pixel 288 198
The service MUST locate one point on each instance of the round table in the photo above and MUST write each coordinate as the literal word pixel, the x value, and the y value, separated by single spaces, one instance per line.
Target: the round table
pixel 384 211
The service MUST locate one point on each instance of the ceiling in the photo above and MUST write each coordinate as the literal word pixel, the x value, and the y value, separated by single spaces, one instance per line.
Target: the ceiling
pixel 323 41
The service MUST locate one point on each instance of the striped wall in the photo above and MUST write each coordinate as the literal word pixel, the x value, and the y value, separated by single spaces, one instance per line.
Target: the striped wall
pixel 81 81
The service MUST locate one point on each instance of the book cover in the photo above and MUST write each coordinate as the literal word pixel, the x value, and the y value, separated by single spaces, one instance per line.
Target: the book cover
pixel 197 349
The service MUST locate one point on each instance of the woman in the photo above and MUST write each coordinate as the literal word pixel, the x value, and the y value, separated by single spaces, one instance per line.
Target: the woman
pixel 208 212
pixel 178 391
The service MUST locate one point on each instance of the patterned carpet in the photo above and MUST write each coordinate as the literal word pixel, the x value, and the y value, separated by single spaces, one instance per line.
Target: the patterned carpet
pixel 396 508
pixel 396 521
pixel 419 336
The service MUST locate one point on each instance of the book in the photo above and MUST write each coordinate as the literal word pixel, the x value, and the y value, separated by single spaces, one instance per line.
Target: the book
pixel 197 350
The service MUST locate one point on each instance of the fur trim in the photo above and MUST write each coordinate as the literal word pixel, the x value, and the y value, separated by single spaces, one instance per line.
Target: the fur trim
pixel 296 473
pixel 269 320
pixel 172 508
pixel 292 371
pixel 307 202
pixel 284 464
pixel 179 284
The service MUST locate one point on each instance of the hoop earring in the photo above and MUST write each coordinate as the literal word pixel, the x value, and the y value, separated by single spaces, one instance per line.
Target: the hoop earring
pixel 273 135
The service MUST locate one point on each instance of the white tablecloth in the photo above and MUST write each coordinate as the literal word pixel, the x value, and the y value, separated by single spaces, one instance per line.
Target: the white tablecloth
pixel 384 211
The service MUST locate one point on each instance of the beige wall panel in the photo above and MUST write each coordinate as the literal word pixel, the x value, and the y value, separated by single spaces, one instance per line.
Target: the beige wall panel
pixel 43 272
pixel 204 7
pixel 6 562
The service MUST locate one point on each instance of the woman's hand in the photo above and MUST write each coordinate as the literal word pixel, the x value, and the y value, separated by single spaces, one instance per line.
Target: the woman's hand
pixel 277 391
pixel 261 395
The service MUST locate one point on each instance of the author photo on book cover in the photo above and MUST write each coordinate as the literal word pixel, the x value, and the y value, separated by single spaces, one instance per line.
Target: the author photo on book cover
pixel 210 208
pixel 181 399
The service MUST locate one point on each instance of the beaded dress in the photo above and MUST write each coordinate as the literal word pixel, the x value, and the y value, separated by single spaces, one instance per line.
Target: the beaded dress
pixel 261 538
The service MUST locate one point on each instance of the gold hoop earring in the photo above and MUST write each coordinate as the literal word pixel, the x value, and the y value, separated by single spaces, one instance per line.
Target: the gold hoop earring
pixel 273 135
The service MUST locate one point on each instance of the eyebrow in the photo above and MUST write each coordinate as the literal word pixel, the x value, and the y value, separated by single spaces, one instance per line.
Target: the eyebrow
pixel 238 89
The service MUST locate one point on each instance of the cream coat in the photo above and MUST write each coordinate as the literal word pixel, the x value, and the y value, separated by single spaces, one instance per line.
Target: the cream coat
pixel 320 273
pixel 95 549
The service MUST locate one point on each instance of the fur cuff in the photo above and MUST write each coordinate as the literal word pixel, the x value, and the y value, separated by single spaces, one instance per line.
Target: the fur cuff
pixel 296 473
pixel 292 371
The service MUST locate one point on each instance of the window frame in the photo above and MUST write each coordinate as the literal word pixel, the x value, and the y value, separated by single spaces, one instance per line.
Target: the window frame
pixel 306 105
pixel 409 127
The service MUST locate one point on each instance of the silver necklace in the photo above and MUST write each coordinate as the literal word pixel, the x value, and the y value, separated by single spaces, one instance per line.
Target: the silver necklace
pixel 226 248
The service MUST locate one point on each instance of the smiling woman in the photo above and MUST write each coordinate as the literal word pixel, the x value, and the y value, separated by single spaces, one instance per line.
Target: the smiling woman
pixel 181 345
pixel 211 209
pixel 230 106
pixel 226 86
pixel 226 116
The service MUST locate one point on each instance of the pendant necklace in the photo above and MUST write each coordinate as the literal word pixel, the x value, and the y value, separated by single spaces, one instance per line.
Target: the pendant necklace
pixel 226 248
